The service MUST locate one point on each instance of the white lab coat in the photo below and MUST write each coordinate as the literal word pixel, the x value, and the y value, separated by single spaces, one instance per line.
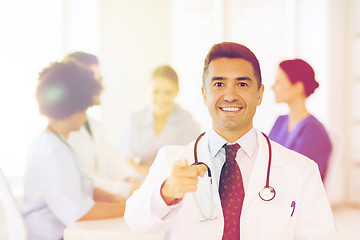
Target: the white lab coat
pixel 294 177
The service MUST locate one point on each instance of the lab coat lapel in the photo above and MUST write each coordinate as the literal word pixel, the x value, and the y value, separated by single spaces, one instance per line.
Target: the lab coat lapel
pixel 205 157
pixel 258 176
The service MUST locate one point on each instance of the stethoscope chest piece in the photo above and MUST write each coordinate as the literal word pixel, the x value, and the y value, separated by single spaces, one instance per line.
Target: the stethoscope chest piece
pixel 267 194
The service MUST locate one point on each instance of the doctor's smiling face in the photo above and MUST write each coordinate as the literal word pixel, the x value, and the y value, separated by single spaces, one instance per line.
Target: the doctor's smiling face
pixel 231 92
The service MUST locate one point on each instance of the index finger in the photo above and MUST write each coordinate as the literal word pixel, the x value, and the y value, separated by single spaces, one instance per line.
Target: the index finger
pixel 201 168
pixel 181 163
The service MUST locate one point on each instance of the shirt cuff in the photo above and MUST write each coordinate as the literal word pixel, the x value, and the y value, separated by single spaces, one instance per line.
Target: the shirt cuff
pixel 158 207
pixel 83 208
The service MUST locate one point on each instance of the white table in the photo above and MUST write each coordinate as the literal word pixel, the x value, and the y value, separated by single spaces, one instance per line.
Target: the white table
pixel 107 229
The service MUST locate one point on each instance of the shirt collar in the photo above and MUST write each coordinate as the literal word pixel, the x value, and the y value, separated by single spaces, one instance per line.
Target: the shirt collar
pixel 247 142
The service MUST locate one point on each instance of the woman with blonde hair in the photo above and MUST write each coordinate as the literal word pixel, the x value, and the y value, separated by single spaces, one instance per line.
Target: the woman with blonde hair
pixel 161 123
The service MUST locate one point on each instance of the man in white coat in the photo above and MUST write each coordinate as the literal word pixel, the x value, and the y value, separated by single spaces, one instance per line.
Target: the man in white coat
pixel 181 199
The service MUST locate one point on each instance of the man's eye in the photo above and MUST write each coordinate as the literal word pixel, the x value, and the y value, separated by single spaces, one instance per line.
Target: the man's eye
pixel 218 84
pixel 242 84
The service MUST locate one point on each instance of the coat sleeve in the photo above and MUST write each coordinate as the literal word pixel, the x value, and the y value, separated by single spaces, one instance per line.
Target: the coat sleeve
pixel 145 210
pixel 315 219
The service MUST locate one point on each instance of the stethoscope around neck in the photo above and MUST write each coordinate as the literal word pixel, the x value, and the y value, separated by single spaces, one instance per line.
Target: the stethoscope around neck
pixel 266 194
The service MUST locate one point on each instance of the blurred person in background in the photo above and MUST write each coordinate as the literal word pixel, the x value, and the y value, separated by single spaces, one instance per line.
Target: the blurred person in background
pixel 161 123
pixel 101 161
pixel 57 190
pixel 299 130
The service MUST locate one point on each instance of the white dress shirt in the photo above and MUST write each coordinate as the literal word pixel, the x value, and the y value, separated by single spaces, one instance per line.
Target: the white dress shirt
pixel 245 156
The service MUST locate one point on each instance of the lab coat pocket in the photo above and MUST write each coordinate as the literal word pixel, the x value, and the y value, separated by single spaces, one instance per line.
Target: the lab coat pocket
pixel 275 223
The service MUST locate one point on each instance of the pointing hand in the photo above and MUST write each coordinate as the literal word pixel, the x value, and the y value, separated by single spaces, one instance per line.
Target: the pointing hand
pixel 183 179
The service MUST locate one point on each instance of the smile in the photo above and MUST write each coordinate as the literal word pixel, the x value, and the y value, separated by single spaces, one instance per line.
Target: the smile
pixel 230 109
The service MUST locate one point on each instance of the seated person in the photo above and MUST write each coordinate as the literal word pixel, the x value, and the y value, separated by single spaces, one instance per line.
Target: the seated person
pixel 57 191
pixel 161 123
pixel 299 130
pixel 100 160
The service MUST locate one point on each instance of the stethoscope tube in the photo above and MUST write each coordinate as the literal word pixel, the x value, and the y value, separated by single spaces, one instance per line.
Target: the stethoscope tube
pixel 196 162
pixel 267 193
pixel 195 147
pixel 269 163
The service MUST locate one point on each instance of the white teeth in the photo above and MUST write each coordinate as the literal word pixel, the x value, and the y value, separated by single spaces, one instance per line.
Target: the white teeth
pixel 231 109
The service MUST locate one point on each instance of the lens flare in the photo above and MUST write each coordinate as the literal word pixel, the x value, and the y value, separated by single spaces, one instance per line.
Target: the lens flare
pixel 55 94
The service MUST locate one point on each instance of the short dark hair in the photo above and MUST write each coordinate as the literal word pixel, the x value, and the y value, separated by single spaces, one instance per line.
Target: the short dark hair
pixel 167 72
pixel 232 50
pixel 83 57
pixel 65 88
pixel 297 70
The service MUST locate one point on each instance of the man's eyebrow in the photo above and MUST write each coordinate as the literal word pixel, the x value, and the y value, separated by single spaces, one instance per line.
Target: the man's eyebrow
pixel 244 79
pixel 217 78
pixel 238 79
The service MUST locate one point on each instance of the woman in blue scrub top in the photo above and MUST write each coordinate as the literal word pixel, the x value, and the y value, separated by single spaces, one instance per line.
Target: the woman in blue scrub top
pixel 300 130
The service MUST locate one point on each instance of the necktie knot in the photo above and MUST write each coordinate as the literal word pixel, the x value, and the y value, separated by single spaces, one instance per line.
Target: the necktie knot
pixel 231 151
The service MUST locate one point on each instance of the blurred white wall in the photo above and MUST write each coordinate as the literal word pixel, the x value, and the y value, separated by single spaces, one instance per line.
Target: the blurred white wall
pixel 351 82
pixel 135 38
pixel 30 40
